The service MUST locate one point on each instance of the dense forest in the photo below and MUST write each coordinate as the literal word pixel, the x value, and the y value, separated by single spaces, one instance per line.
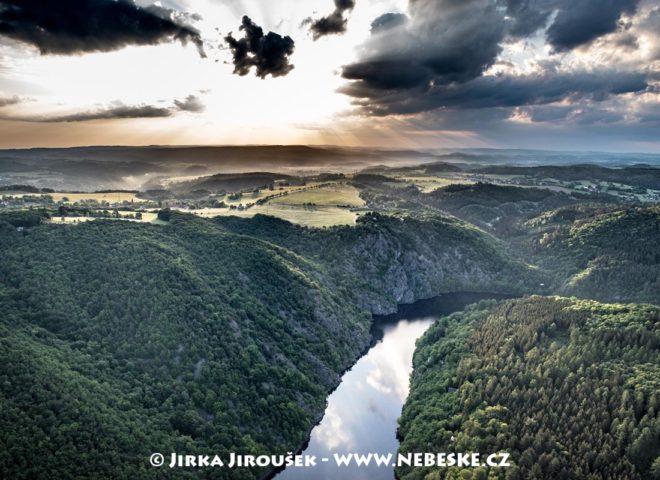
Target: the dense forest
pixel 607 253
pixel 389 259
pixel 589 247
pixel 121 339
pixel 639 175
pixel 497 209
pixel 568 387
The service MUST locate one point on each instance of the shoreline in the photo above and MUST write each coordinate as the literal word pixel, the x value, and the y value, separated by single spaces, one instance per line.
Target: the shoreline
pixel 404 310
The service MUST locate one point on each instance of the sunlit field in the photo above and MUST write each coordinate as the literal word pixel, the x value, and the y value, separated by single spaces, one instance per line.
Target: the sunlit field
pixel 251 197
pixel 147 217
pixel 330 195
pixel 428 183
pixel 110 197
pixel 316 216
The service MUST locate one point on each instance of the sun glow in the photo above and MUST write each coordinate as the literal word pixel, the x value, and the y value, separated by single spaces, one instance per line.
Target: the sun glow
pixel 237 109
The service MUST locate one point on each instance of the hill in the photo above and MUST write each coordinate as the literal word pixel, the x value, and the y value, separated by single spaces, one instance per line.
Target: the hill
pixel 496 208
pixel 568 387
pixel 603 252
pixel 645 176
pixel 121 339
pixel 234 182
pixel 385 260
pixel 104 167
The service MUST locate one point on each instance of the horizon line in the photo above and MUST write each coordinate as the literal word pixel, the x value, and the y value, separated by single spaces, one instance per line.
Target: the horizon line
pixel 338 147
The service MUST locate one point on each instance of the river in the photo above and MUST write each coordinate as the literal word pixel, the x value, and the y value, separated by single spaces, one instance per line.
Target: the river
pixel 361 415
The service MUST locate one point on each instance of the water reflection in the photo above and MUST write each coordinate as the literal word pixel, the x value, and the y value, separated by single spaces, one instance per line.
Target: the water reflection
pixel 361 416
pixel 362 413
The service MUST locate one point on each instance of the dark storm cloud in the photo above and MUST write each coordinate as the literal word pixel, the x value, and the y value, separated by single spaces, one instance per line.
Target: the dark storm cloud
pixel 387 21
pixel 333 23
pixel 446 41
pixel 269 54
pixel 580 22
pixel 528 16
pixel 499 91
pixel 399 74
pixel 574 24
pixel 68 27
pixel 436 57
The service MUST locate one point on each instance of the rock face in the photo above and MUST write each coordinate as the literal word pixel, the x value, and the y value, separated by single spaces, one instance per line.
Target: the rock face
pixel 389 260
pixel 204 336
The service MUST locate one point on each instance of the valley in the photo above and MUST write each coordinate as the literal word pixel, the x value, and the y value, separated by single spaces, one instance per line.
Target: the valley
pixel 216 314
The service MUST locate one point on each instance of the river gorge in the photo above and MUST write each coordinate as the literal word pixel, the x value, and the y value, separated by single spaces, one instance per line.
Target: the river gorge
pixel 361 414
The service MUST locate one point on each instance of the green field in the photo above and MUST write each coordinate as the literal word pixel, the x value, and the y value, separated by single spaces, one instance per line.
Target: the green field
pixel 329 195
pixel 315 205
pixel 252 197
pixel 147 217
pixel 317 216
pixel 428 183
pixel 110 197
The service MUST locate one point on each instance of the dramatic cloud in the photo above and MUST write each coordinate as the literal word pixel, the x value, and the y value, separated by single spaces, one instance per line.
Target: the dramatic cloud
pixel 444 41
pixel 118 110
pixel 269 54
pixel 650 26
pixel 573 23
pixel 387 21
pixel 580 22
pixel 333 23
pixel 501 91
pixel 68 27
pixel 443 54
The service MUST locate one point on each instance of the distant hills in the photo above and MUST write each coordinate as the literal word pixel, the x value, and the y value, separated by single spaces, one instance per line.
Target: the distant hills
pixel 639 174
pixel 102 167
pixel 225 335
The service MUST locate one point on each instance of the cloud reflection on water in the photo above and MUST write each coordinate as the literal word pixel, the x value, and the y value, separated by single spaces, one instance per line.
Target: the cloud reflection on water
pixel 371 394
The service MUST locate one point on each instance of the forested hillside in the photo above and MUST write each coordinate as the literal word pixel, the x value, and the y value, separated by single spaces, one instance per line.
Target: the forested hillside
pixel 569 387
pixel 399 258
pixel 592 248
pixel 120 339
pixel 495 208
pixel 498 209
pixel 606 253
pixel 646 176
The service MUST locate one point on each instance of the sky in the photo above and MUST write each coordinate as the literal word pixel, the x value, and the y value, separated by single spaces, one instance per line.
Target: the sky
pixel 546 74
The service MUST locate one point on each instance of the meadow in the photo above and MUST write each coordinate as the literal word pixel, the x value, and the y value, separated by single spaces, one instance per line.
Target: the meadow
pixel 310 216
pixel 109 197
pixel 333 194
pixel 147 217
pixel 428 183
pixel 312 205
